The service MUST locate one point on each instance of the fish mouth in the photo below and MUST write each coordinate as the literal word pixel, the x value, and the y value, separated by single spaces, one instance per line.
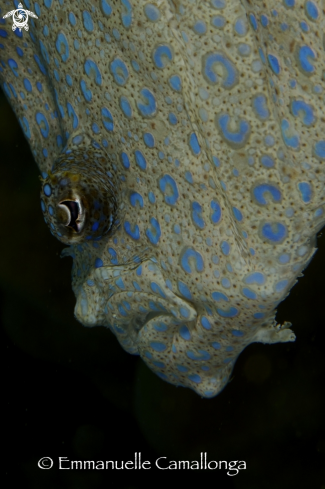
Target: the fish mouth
pixel 152 320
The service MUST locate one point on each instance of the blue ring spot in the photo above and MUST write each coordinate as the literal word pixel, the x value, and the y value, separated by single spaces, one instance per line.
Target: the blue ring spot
pixel 289 134
pixel 304 55
pixel 154 233
pixel 92 71
pixel 236 139
pixel 261 191
pixel 86 91
pixel 126 107
pixel 119 71
pixel 107 119
pixel 126 13
pixel 71 112
pixel 43 124
pixel 230 80
pixel 132 230
pixel 149 108
pixel 162 55
pixel 191 259
pixel 136 198
pixel 301 108
pixel 62 46
pixel 168 187
pixel 274 232
pixel 197 215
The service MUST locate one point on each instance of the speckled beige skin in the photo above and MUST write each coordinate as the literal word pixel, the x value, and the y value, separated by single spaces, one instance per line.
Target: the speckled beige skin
pixel 206 119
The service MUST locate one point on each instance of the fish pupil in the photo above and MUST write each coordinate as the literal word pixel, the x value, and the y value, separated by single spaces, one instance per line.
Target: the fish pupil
pixel 74 210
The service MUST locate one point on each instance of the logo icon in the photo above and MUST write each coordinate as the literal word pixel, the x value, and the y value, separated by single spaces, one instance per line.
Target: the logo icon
pixel 20 17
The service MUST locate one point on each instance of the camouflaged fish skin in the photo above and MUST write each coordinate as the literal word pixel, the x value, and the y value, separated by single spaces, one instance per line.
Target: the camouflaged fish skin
pixel 181 145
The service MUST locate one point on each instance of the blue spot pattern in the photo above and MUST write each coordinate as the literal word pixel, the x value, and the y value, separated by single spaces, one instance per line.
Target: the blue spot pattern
pixel 62 46
pixel 211 143
pixel 149 108
pixel 169 188
pixel 119 71
pixel 261 191
pixel 236 139
pixel 191 260
pixel 209 61
pixel 162 56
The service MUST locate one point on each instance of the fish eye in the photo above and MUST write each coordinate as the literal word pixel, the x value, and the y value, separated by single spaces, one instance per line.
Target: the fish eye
pixel 71 214
pixel 78 198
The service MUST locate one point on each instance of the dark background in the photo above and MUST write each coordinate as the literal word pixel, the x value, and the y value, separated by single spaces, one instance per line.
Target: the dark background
pixel 73 392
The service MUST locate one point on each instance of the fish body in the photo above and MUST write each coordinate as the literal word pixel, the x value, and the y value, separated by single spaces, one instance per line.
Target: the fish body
pixel 181 150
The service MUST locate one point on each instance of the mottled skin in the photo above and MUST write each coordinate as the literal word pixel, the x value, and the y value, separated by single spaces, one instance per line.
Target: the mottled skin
pixel 205 118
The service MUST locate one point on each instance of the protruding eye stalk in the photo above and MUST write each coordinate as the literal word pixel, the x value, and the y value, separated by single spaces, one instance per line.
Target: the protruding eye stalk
pixel 71 214
pixel 79 196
